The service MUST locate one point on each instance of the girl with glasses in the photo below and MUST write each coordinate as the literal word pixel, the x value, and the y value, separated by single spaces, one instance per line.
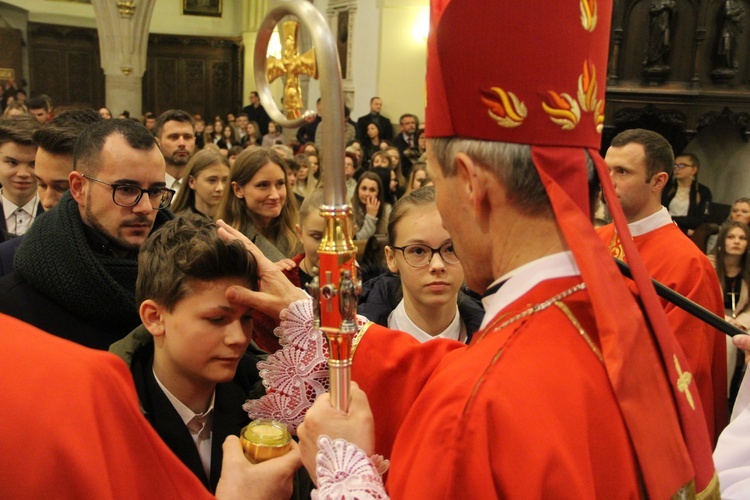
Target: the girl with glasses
pixel 421 293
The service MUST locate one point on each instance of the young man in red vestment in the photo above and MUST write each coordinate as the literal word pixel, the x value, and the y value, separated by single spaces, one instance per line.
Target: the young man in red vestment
pixel 564 392
pixel 640 162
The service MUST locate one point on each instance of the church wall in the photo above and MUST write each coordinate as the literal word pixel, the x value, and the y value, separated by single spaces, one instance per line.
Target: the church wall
pixel 366 50
pixel 403 61
pixel 62 13
pixel 168 19
pixel 18 19
pixel 366 54
pixel 724 157
pixel 389 64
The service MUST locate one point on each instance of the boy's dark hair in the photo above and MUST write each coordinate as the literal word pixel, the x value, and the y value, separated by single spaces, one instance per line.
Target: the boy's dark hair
pixel 38 103
pixel 18 129
pixel 185 250
pixel 59 135
pixel 172 115
pixel 90 143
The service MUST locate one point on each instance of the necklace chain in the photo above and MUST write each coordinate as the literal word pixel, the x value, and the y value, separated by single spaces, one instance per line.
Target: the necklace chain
pixel 533 309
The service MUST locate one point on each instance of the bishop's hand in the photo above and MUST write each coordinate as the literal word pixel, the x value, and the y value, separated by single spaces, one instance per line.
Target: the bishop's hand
pixel 275 291
pixel 355 426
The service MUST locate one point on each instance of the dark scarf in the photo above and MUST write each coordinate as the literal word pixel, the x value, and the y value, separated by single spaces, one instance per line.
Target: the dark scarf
pixel 56 258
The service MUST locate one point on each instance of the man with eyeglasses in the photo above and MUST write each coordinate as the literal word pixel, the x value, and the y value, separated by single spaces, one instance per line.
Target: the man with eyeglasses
pixel 406 142
pixel 686 199
pixel 75 272
pixel 640 163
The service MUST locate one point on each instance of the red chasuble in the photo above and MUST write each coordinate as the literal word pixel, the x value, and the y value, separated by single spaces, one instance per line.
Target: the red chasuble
pixel 673 260
pixel 525 411
pixel 72 428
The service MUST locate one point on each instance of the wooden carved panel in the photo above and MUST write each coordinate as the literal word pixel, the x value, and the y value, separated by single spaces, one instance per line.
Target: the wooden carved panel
pixel 64 64
pixel 10 56
pixel 197 74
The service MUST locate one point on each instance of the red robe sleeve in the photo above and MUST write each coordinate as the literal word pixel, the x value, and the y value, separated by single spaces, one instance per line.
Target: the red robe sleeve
pixel 72 427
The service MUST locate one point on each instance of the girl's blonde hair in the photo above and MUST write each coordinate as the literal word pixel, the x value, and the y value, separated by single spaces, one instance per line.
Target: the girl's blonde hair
pixel 200 161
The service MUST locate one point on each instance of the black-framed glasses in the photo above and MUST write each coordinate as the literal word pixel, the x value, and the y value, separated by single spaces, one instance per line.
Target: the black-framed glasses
pixel 682 165
pixel 418 255
pixel 128 195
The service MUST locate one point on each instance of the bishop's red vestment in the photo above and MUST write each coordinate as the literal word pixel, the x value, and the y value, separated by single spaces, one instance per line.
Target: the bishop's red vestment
pixel 525 411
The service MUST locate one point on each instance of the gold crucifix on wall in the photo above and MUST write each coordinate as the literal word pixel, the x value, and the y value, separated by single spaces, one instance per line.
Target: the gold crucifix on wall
pixel 291 65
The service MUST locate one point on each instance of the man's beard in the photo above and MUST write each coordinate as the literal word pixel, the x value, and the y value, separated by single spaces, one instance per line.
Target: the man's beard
pixel 179 161
pixel 113 240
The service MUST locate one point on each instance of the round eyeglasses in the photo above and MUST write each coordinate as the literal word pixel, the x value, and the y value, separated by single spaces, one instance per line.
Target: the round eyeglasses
pixel 128 195
pixel 419 255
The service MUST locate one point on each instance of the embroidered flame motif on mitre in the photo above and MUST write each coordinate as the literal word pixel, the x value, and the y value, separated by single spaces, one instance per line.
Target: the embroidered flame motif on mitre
pixel 562 110
pixel 599 116
pixel 504 107
pixel 587 87
pixel 588 14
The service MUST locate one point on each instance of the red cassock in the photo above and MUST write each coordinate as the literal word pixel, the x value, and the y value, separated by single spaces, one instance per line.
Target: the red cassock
pixel 72 428
pixel 673 260
pixel 525 411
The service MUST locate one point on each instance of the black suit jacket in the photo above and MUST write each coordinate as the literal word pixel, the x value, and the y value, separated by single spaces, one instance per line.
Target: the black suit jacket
pixel 4 226
pixel 402 145
pixel 7 252
pixel 228 418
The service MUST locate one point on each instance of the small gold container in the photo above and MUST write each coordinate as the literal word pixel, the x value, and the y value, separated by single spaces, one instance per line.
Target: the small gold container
pixel 264 439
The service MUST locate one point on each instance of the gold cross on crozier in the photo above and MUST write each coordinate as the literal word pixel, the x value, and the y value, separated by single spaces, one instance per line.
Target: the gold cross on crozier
pixel 290 66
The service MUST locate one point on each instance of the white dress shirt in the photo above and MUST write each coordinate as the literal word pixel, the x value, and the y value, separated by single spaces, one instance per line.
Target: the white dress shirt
pixel 522 279
pixel 200 425
pixel 173 183
pixel 18 219
pixel 399 320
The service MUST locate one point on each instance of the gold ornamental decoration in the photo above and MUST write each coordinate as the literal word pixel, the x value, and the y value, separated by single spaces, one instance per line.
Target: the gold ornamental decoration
pixel 290 66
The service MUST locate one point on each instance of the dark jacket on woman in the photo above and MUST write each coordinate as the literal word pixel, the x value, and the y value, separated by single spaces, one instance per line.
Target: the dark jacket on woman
pixel 700 201
pixel 381 295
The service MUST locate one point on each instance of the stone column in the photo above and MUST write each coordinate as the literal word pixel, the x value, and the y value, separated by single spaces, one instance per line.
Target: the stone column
pixel 252 15
pixel 123 39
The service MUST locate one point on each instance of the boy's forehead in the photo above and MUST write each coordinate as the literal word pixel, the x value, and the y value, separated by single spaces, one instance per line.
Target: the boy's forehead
pixel 9 146
pixel 216 288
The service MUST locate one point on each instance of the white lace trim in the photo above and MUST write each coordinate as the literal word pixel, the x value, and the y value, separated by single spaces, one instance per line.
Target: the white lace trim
pixel 344 471
pixel 295 375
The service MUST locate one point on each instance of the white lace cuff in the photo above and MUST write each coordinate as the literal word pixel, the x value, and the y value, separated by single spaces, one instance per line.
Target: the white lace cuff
pixel 345 471
pixel 298 373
